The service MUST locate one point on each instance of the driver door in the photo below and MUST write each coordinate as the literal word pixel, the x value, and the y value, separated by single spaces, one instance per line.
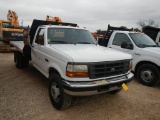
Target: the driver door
pixel 39 42
pixel 117 41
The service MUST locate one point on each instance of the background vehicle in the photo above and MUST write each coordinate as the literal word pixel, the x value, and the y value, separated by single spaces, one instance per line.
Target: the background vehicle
pixel 73 62
pixel 98 37
pixel 153 33
pixel 146 54
pixel 10 31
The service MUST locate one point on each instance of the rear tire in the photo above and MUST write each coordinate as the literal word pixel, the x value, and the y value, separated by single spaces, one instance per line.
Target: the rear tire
pixel 25 61
pixel 148 74
pixel 19 59
pixel 26 55
pixel 59 99
pixel 15 56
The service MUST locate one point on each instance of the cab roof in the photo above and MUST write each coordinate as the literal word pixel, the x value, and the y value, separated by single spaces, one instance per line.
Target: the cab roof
pixel 37 23
pixel 59 26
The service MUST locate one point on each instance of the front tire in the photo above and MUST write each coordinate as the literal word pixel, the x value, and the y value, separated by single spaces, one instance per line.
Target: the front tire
pixel 148 74
pixel 59 99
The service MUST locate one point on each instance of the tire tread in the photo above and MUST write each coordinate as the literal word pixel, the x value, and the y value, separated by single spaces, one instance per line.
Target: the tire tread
pixel 155 70
pixel 66 99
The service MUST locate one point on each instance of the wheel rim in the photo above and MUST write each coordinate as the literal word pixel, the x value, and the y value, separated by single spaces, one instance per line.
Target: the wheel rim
pixel 147 75
pixel 55 92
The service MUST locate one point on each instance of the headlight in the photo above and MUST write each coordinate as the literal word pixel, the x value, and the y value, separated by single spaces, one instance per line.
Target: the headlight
pixel 130 65
pixel 77 70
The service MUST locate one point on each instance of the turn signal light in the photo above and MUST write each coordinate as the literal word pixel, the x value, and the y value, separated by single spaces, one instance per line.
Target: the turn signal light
pixel 77 74
pixel 130 67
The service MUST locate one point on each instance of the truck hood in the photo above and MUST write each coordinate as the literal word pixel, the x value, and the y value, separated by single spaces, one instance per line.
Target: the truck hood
pixel 154 51
pixel 90 53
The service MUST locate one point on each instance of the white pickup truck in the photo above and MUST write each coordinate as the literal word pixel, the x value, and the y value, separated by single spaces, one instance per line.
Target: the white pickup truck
pixel 145 52
pixel 73 62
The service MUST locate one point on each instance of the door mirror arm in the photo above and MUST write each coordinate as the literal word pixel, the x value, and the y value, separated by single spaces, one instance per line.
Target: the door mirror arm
pixel 124 44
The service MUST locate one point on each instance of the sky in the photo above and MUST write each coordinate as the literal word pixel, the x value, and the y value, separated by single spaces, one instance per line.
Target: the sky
pixel 92 14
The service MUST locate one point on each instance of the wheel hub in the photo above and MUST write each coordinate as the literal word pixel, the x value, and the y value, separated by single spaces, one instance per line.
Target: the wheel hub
pixel 55 92
pixel 147 75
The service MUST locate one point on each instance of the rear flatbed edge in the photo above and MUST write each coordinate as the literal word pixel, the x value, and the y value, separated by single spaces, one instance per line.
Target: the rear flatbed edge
pixel 18 45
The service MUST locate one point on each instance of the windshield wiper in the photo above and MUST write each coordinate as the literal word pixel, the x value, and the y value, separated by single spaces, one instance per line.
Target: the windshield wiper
pixel 144 45
pixel 59 42
pixel 151 45
pixel 84 43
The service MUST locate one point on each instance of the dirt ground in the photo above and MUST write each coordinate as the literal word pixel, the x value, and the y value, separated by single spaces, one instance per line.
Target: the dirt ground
pixel 24 95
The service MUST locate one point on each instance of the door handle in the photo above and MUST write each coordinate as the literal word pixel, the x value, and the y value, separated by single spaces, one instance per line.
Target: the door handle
pixel 137 54
pixel 46 60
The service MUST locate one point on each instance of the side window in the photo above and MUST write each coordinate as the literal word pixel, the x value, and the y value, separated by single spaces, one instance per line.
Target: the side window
pixel 40 37
pixel 121 37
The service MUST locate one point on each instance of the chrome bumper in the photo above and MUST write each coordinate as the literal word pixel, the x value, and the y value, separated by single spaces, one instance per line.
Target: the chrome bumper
pixel 79 88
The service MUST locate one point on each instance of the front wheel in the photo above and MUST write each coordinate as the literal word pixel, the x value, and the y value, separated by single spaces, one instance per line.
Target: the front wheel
pixel 58 97
pixel 148 74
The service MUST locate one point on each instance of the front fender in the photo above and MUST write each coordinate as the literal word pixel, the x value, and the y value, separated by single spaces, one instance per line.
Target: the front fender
pixel 61 68
pixel 145 59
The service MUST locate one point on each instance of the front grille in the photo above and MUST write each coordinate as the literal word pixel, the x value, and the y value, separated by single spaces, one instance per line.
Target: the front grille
pixel 106 69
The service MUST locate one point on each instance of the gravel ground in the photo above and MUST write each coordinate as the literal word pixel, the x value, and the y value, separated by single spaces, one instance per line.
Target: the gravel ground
pixel 24 95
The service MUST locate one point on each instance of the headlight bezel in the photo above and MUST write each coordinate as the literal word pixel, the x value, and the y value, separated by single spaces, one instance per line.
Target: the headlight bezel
pixel 77 70
pixel 130 65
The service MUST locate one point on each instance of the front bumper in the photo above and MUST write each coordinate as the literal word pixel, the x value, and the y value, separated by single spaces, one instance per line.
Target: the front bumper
pixel 85 88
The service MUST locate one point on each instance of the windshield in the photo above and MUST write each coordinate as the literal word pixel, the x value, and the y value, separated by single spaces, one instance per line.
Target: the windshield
pixel 6 24
pixel 142 40
pixel 69 36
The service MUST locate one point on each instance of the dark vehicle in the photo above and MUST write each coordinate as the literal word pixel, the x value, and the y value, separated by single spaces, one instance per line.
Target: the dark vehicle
pixel 153 33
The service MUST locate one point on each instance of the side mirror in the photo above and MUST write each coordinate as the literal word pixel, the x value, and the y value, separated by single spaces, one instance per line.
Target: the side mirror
pixel 131 46
pixel 124 44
